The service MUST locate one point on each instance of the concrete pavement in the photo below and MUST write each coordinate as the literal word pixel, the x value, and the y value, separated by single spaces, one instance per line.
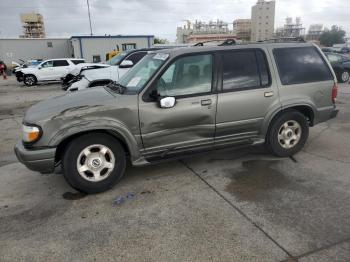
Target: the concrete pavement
pixel 231 205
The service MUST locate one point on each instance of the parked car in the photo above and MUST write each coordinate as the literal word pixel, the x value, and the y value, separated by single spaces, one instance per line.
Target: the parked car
pixel 25 64
pixel 341 66
pixel 48 70
pixel 76 74
pixel 341 50
pixel 327 49
pixel 180 101
pixel 119 65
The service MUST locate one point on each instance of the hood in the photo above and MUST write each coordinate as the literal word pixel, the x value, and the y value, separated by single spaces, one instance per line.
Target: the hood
pixel 100 73
pixel 68 104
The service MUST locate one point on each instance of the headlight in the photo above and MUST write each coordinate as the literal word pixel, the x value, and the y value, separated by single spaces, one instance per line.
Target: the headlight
pixel 30 134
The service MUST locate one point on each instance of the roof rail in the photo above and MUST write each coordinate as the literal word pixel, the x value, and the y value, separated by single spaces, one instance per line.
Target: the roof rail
pixel 284 40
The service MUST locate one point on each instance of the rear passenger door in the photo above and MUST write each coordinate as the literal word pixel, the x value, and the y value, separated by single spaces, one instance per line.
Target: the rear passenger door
pixel 246 94
pixel 61 69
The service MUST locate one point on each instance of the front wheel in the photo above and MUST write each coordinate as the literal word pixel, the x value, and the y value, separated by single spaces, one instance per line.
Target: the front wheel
pixel 94 163
pixel 287 134
pixel 29 80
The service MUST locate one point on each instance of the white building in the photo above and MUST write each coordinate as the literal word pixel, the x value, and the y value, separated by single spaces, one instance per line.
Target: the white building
pixel 95 48
pixel 91 48
pixel 263 20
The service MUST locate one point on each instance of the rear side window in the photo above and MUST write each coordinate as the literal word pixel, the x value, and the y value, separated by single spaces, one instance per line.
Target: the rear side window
pixel 301 65
pixel 60 63
pixel 76 62
pixel 244 70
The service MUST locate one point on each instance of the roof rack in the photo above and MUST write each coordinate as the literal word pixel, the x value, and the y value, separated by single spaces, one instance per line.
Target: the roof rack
pixel 225 42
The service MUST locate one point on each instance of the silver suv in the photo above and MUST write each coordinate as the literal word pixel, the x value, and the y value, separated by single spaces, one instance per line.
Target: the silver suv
pixel 179 101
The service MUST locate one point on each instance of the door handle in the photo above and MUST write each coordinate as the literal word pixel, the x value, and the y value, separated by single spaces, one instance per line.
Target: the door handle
pixel 206 102
pixel 268 94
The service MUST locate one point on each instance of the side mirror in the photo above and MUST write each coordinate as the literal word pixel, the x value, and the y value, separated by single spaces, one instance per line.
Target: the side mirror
pixel 167 102
pixel 39 67
pixel 126 64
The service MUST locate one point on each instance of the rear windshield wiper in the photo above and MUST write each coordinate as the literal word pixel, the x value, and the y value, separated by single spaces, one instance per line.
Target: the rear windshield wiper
pixel 116 86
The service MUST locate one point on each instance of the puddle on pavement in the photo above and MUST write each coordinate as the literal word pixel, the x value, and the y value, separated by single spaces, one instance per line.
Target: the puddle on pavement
pixel 73 196
pixel 257 179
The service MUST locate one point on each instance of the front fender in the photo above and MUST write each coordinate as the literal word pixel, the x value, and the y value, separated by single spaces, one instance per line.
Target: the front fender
pixel 113 126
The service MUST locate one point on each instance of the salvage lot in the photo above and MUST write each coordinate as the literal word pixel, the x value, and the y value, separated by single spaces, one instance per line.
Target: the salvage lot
pixel 231 205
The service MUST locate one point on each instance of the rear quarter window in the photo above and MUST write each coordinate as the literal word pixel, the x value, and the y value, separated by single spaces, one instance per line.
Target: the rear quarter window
pixel 301 65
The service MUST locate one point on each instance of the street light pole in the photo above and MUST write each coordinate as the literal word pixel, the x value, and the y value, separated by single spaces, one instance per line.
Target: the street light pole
pixel 88 5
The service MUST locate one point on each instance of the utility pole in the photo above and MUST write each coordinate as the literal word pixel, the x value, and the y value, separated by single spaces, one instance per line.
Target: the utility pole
pixel 88 5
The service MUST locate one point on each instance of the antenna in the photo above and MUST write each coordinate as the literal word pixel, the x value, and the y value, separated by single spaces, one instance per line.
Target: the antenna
pixel 88 5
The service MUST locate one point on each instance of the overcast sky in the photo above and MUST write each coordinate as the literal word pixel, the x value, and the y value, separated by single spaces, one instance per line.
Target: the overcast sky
pixel 157 17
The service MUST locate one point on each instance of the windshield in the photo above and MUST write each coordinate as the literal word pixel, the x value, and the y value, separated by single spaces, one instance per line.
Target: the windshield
pixel 116 59
pixel 138 76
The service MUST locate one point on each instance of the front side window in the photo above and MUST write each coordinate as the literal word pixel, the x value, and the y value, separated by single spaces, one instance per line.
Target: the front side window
pixel 47 64
pixel 115 60
pixel 301 65
pixel 136 57
pixel 187 76
pixel 57 63
pixel 136 78
pixel 240 70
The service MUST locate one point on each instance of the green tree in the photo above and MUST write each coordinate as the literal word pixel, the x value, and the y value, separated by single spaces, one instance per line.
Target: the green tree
pixel 334 36
pixel 158 40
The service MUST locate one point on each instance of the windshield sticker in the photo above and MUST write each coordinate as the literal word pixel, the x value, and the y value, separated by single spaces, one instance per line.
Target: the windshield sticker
pixel 134 82
pixel 161 56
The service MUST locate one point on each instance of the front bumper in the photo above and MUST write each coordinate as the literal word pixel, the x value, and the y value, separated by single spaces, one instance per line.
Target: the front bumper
pixel 41 160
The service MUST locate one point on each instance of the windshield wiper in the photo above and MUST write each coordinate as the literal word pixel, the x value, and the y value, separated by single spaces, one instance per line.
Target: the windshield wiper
pixel 116 86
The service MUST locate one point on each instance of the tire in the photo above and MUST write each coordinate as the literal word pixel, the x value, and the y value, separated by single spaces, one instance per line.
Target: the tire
pixel 281 131
pixel 344 76
pixel 76 156
pixel 30 80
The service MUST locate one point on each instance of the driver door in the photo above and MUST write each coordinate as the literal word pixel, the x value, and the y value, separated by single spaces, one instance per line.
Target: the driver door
pixel 190 122
pixel 46 71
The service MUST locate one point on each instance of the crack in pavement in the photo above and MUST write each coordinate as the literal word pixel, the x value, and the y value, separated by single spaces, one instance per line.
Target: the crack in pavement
pixel 327 158
pixel 323 248
pixel 239 211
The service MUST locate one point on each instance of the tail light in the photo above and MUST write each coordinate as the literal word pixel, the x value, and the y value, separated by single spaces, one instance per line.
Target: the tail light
pixel 334 92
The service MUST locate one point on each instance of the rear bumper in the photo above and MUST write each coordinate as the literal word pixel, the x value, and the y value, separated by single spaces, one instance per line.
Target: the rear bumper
pixel 41 160
pixel 326 114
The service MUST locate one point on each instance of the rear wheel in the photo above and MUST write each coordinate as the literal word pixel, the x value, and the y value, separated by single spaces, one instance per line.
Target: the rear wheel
pixel 94 163
pixel 287 134
pixel 30 80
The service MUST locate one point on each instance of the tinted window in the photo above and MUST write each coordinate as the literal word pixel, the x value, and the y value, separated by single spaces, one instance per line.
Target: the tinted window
pixel 136 57
pixel 334 58
pixel 187 76
pixel 240 70
pixel 301 65
pixel 60 63
pixel 77 61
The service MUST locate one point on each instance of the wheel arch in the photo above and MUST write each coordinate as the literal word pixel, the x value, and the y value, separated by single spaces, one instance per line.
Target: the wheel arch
pixel 306 110
pixel 62 145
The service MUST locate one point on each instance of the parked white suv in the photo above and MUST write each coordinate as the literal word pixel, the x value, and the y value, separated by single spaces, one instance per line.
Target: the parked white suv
pixel 49 70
